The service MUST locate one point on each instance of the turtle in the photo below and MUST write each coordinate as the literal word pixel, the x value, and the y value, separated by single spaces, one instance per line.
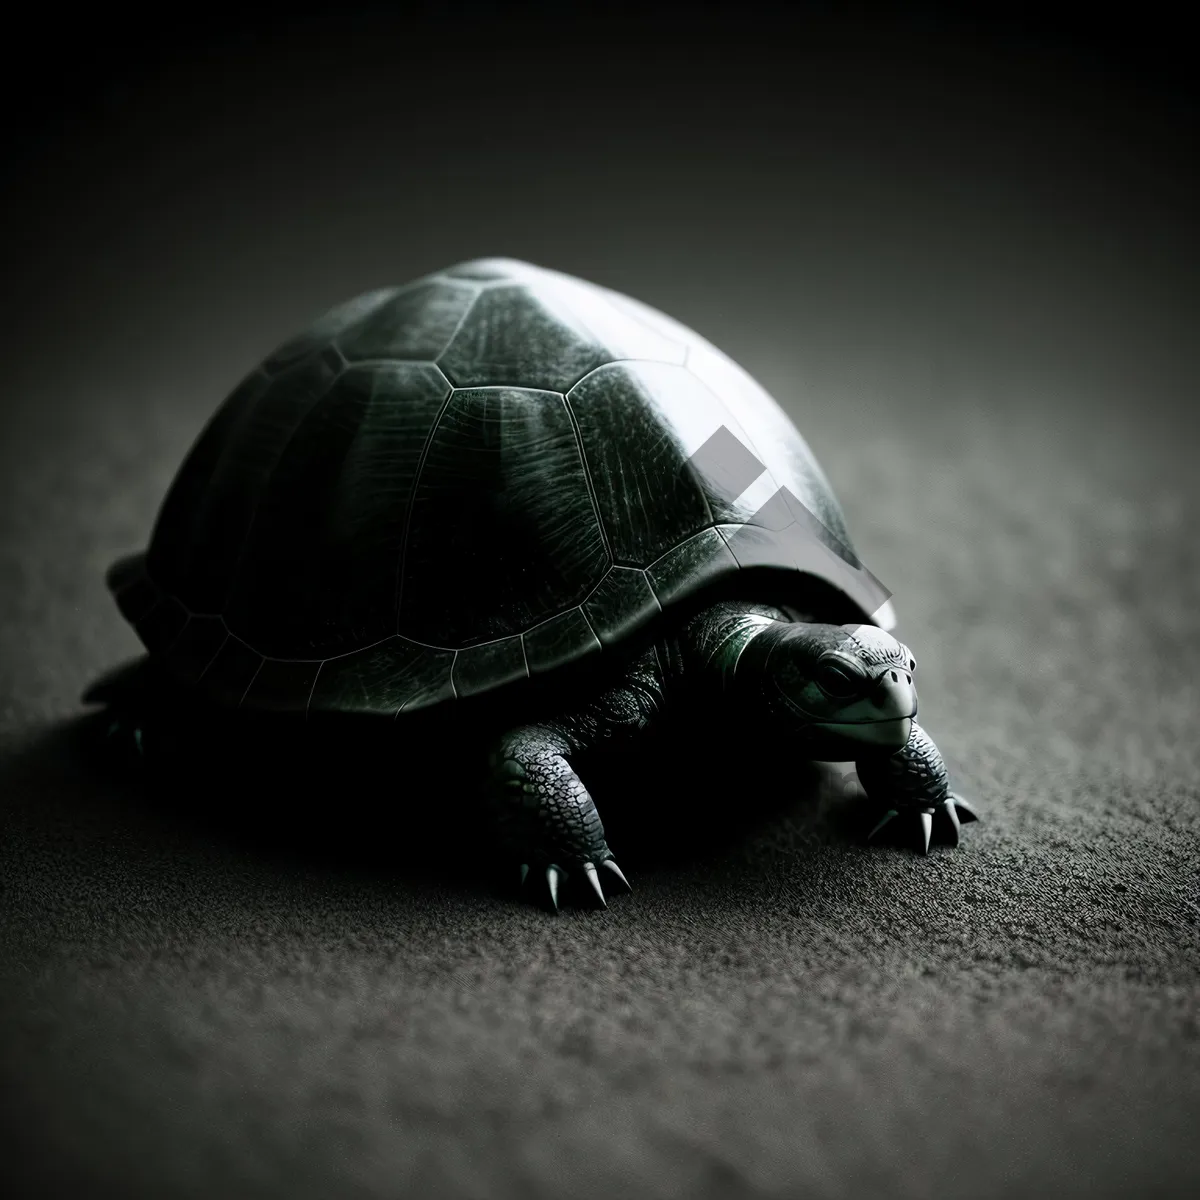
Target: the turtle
pixel 505 491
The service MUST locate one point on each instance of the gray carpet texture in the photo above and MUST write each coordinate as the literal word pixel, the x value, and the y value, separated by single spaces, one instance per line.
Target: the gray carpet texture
pixel 972 281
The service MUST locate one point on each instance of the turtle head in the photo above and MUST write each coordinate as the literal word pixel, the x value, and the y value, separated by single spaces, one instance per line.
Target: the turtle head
pixel 851 686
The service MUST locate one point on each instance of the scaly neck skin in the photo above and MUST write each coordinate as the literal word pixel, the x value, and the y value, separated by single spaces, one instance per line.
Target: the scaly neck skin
pixel 704 658
pixel 751 657
pixel 759 669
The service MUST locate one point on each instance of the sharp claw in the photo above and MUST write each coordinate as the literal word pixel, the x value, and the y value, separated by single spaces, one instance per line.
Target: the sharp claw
pixel 553 874
pixel 611 864
pixel 952 838
pixel 966 814
pixel 926 816
pixel 594 880
pixel 888 817
pixel 524 873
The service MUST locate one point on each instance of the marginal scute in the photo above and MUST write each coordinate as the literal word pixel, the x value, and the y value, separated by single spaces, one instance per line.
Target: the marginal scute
pixel 231 672
pixel 558 641
pixel 480 668
pixel 427 679
pixel 758 546
pixel 797 528
pixel 787 532
pixel 623 603
pixel 282 686
pixel 194 650
pixel 376 679
pixel 751 545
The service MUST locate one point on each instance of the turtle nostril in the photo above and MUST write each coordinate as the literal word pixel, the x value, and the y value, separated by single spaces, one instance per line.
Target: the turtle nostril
pixel 895 677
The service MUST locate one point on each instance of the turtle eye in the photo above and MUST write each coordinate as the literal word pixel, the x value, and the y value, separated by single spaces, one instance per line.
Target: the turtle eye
pixel 837 681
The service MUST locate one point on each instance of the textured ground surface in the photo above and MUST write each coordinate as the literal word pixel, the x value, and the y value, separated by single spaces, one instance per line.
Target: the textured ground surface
pixel 989 339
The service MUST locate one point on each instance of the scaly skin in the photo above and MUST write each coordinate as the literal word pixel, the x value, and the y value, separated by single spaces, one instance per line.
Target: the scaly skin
pixel 747 666
pixel 542 811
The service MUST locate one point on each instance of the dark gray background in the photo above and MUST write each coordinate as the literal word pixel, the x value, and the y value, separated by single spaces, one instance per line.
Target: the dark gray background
pixel 965 260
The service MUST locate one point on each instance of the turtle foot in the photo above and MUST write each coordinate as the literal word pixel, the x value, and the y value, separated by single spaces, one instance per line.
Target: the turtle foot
pixel 927 825
pixel 122 740
pixel 545 819
pixel 549 885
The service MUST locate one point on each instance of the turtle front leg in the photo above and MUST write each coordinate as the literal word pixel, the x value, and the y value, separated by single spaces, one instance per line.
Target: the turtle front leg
pixel 830 693
pixel 914 786
pixel 545 819
pixel 131 695
pixel 544 815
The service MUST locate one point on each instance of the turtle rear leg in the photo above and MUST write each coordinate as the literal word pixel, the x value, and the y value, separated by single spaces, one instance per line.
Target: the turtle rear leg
pixel 545 819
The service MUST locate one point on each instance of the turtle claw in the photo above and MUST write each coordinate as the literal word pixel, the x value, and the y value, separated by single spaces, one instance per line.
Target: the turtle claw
pixel 611 865
pixel 966 814
pixel 926 817
pixel 947 809
pixel 554 873
pixel 124 740
pixel 887 818
pixel 594 880
pixel 554 876
pixel 940 824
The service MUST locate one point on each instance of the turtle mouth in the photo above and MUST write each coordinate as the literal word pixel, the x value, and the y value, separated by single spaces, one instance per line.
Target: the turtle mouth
pixel 887 731
pixel 891 719
pixel 885 717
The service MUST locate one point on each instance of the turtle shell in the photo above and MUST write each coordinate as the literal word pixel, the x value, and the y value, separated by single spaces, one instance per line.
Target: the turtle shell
pixel 485 475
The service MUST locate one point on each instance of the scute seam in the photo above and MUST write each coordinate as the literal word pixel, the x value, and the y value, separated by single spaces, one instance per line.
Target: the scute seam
pixel 587 477
pixel 412 495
